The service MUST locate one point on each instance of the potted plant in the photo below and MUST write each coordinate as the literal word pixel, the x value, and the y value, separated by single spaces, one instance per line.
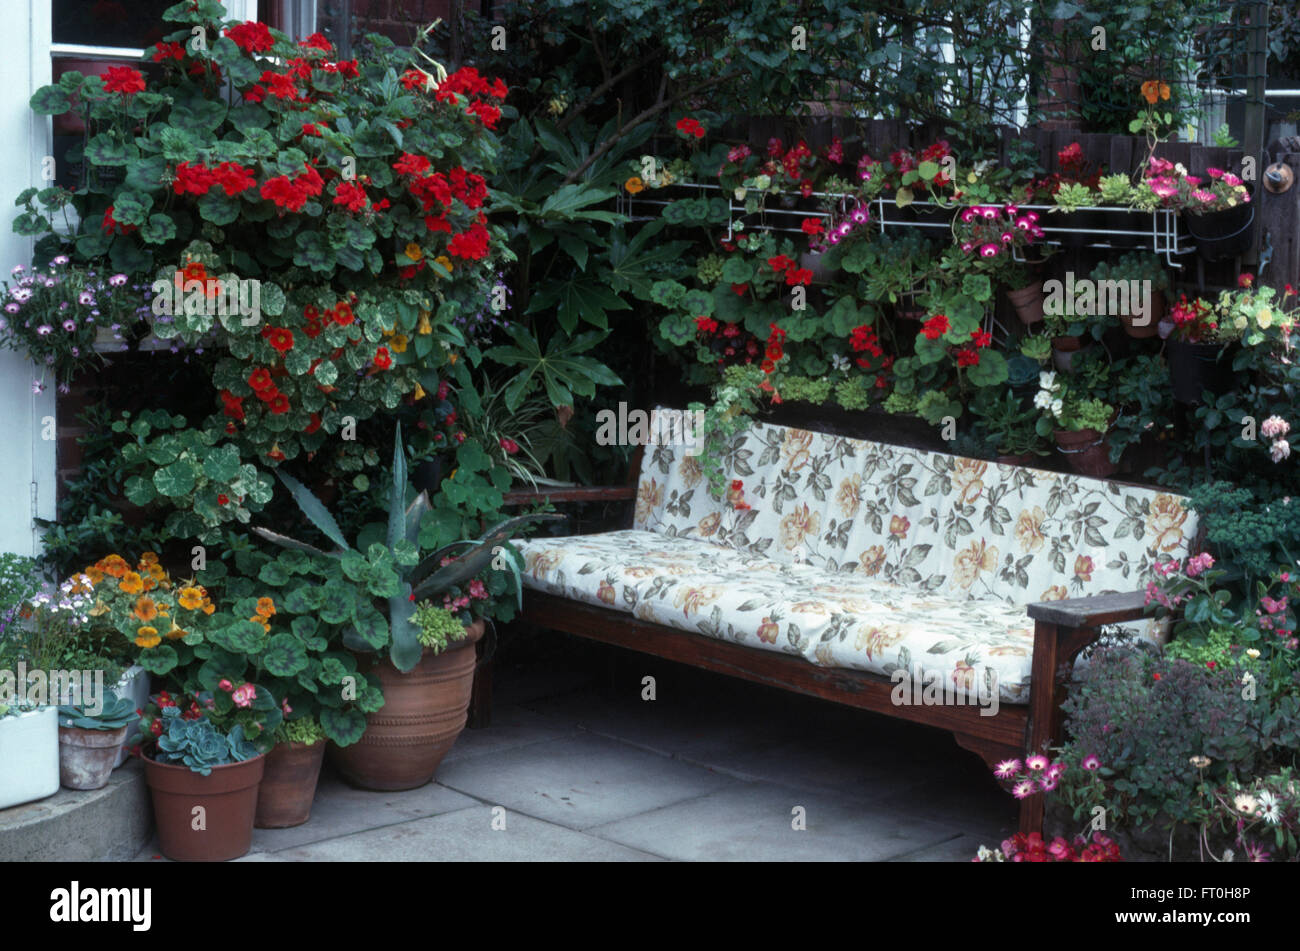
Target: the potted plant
pixel 1197 347
pixel 1078 423
pixel 292 770
pixel 1011 427
pixel 373 599
pixel 90 738
pixel 1217 208
pixel 203 759
pixel 29 749
pixel 1145 279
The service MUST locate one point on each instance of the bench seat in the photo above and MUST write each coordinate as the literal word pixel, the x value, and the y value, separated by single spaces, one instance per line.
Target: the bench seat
pixel 831 619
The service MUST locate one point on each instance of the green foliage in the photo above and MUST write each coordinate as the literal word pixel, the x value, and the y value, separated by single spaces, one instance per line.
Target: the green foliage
pixel 115 713
pixel 438 627
pixel 306 730
pixel 198 745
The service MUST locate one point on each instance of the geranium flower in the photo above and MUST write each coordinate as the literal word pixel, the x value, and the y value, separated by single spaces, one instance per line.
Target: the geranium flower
pixel 935 327
pixel 124 80
pixel 251 36
pixel 690 128
pixel 166 51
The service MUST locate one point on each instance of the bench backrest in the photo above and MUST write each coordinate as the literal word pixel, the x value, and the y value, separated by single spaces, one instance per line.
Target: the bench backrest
pixel 960 527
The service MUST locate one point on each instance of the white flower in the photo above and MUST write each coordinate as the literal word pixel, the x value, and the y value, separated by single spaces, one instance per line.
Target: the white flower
pixel 1047 380
pixel 1269 809
pixel 1057 406
pixel 1281 449
pixel 1043 400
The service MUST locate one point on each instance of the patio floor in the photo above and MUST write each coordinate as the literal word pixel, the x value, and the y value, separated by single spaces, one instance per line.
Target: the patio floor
pixel 712 769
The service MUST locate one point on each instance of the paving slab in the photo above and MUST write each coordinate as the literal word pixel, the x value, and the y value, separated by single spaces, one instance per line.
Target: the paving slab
pixel 959 849
pixel 467 836
pixel 579 782
pixel 755 822
pixel 512 726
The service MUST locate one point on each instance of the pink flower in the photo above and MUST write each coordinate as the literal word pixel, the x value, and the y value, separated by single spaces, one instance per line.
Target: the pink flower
pixel 1196 566
pixel 1023 789
pixel 225 685
pixel 243 695
pixel 1163 188
pixel 1274 426
pixel 1232 181
pixel 1281 449
pixel 1214 172
pixel 1037 762
pixel 1202 195
pixel 989 250
pixel 1091 763
pixel 286 708
pixel 1007 768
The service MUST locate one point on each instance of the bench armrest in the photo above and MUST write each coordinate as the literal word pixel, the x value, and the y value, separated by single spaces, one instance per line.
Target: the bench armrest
pixel 581 493
pixel 1092 611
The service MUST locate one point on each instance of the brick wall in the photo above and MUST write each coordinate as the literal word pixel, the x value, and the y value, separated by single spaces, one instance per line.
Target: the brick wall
pixel 396 19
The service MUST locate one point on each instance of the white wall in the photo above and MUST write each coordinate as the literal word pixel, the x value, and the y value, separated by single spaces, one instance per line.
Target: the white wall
pixel 26 460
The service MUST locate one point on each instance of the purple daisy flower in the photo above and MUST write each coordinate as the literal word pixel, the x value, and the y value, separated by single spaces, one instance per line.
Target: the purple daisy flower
pixel 69 325
pixel 60 260
pixel 12 308
pixel 45 330
pixel 1091 763
pixel 86 298
pixel 117 280
pixel 860 215
pixel 1036 762
pixel 1007 237
pixel 1023 789
pixel 989 250
pixel 1007 768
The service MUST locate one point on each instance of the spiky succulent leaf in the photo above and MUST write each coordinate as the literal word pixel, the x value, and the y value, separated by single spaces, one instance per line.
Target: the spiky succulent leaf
pixel 315 510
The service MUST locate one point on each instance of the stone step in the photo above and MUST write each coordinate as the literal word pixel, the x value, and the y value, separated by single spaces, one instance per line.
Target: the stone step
pixel 110 824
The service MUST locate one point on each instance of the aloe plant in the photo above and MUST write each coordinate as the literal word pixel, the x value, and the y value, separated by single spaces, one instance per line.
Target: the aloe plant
pixel 393 569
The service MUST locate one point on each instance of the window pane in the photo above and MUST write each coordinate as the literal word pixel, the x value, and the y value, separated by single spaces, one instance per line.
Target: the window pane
pixel 131 23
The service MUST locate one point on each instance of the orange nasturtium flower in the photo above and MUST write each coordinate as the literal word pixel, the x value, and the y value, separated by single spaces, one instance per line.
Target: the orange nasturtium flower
pixel 190 599
pixel 147 637
pixel 114 566
pixel 265 607
pixel 398 343
pixel 444 261
pixel 1155 89
pixel 258 619
pixel 145 609
pixel 131 583
pixel 413 251
pixel 175 633
pixel 634 185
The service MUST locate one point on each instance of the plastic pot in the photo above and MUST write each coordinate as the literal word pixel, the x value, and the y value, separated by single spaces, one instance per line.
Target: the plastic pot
pixel 1086 452
pixel 29 756
pixel 1197 367
pixel 1223 234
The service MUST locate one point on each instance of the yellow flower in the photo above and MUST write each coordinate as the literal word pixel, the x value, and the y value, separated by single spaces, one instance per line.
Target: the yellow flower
pixel 147 637
pixel 424 328
pixel 413 251
pixel 131 583
pixel 265 607
pixel 175 633
pixel 398 343
pixel 191 598
pixel 634 185
pixel 419 392
pixel 114 566
pixel 1265 317
pixel 444 261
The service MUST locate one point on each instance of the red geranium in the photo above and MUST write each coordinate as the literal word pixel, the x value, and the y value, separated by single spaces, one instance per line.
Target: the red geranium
pixel 251 36
pixel 111 224
pixel 690 128
pixel 812 226
pixel 165 51
pixel 935 327
pixel 487 113
pixel 123 79
pixel 350 195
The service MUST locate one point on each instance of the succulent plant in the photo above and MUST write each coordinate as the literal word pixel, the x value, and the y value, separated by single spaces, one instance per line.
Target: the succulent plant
pixel 197 744
pixel 116 712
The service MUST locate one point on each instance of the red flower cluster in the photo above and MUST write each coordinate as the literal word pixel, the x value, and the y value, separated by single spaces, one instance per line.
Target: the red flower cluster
pixel 690 128
pixel 264 389
pixel 252 37
pixel 813 226
pixel 383 359
pixel 935 327
pixel 232 405
pixel 292 194
pixel 123 79
pixel 166 51
pixel 774 350
pixel 195 178
pixel 414 80
pixel 350 195
pixel 467 82
pixel 317 41
pixel 470 245
pixel 793 273
pixel 1032 848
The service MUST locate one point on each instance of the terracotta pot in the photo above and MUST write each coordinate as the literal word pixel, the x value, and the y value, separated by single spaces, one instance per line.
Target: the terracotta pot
pixel 228 797
pixel 1152 325
pixel 87 757
pixel 288 785
pixel 1028 302
pixel 424 712
pixel 1086 452
pixel 1063 351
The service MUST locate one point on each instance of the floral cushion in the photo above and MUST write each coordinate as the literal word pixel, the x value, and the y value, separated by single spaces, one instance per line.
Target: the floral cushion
pixel 866 556
pixel 964 528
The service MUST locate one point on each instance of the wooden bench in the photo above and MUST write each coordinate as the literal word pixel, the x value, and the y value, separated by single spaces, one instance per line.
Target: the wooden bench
pixel 1061 627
